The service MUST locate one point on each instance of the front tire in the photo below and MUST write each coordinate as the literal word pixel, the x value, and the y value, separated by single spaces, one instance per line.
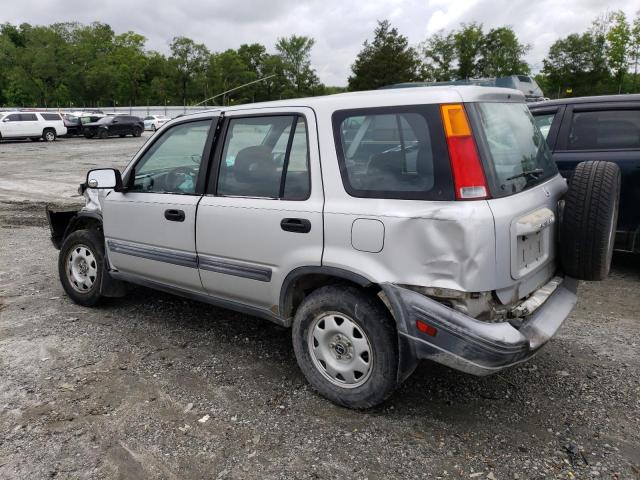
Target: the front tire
pixel 102 134
pixel 80 265
pixel 137 132
pixel 346 345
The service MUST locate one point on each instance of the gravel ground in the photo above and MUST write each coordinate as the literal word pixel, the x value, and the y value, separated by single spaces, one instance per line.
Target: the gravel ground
pixel 155 386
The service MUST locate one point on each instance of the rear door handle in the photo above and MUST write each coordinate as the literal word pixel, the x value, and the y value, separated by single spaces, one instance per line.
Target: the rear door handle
pixel 174 215
pixel 297 225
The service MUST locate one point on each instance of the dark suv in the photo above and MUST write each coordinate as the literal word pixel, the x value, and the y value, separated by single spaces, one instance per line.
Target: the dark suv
pixel 599 128
pixel 121 125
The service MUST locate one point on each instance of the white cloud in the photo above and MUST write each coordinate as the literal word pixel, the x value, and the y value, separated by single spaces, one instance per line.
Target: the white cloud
pixel 339 27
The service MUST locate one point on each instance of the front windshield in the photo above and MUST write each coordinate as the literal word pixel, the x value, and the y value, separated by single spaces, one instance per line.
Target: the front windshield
pixel 519 155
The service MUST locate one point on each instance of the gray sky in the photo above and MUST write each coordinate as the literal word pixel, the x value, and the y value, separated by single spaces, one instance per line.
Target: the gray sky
pixel 339 26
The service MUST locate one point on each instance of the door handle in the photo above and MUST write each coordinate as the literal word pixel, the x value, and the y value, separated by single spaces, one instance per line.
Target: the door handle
pixel 174 215
pixel 298 225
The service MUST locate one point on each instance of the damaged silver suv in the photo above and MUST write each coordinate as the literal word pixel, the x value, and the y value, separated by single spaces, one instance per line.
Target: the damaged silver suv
pixel 384 227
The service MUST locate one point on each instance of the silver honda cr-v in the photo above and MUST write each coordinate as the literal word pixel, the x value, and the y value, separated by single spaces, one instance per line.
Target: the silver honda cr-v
pixel 384 227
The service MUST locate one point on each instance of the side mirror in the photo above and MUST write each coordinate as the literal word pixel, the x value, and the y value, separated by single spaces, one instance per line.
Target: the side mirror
pixel 104 178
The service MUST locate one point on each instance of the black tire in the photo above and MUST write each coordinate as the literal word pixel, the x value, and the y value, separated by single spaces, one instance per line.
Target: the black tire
pixel 49 135
pixel 153 128
pixel 589 219
pixel 89 135
pixel 137 131
pixel 370 315
pixel 82 239
pixel 102 134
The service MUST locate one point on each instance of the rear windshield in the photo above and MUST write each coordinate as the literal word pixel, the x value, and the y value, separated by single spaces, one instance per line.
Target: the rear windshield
pixel 393 152
pixel 516 153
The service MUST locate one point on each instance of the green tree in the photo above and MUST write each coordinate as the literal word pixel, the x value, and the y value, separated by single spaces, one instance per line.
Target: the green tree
pixel 439 56
pixel 618 45
pixel 189 60
pixel 502 54
pixel 388 59
pixel 572 65
pixel 469 41
pixel 634 48
pixel 295 52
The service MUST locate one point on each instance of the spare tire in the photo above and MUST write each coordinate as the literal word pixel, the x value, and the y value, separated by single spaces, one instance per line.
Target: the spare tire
pixel 589 219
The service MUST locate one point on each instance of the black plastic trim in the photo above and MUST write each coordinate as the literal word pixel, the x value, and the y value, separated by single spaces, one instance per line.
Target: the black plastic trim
pixel 214 264
pixel 183 259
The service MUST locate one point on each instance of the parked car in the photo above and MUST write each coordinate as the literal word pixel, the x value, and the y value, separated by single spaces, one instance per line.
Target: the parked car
pixel 75 122
pixel 109 126
pixel 599 128
pixel 154 122
pixel 428 230
pixel 33 125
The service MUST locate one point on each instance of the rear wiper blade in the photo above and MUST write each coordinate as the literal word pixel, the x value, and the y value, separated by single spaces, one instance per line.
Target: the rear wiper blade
pixel 527 173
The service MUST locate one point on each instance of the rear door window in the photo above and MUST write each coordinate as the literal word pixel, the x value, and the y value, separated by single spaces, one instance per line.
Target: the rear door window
pixel 28 117
pixel 395 152
pixel 265 157
pixel 50 116
pixel 605 130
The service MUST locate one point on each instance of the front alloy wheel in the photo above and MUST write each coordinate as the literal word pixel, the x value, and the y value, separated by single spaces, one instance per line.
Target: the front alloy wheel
pixel 80 265
pixel 82 268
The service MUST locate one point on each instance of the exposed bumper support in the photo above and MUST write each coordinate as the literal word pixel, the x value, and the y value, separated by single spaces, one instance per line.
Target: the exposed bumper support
pixel 472 346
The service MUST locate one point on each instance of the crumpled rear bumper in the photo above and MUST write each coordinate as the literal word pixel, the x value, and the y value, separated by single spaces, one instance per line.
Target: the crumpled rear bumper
pixel 472 346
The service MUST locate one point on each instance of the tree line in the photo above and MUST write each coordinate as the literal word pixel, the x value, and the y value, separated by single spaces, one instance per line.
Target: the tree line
pixel 76 65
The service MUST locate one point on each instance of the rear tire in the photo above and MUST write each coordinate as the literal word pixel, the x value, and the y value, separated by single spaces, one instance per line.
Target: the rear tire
pixel 102 134
pixel 589 219
pixel 137 132
pixel 49 135
pixel 346 345
pixel 80 265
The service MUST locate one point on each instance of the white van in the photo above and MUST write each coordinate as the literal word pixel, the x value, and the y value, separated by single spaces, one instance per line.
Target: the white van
pixel 33 125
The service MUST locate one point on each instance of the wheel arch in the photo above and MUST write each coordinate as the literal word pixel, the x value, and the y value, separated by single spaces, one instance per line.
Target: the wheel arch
pixel 303 280
pixel 64 222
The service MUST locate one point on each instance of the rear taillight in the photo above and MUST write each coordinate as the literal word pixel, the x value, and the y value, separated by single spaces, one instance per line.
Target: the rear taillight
pixel 468 175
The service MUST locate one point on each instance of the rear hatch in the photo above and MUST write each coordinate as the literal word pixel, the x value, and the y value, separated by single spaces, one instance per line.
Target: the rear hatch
pixel 524 190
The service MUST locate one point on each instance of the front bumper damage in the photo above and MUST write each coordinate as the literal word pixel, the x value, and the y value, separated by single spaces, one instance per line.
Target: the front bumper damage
pixel 479 348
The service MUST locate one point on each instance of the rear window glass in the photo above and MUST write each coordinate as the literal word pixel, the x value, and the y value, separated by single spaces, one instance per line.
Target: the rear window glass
pixel 395 152
pixel 28 117
pixel 605 129
pixel 50 116
pixel 516 151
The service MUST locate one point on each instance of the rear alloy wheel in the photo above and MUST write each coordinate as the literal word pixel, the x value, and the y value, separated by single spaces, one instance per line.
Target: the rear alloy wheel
pixel 137 132
pixel 589 220
pixel 346 345
pixel 80 265
pixel 49 135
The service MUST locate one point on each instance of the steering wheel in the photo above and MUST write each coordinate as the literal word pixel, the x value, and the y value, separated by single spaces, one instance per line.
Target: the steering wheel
pixel 177 177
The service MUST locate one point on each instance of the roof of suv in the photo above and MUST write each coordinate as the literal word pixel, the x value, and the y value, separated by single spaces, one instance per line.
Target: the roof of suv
pixel 626 97
pixel 391 97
